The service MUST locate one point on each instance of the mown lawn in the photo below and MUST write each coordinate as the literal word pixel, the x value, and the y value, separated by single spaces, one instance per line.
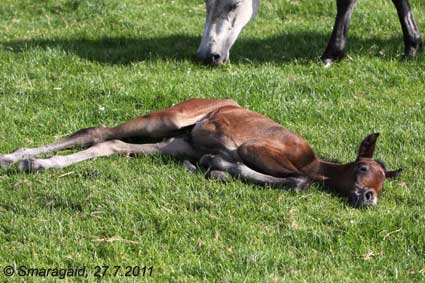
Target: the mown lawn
pixel 69 64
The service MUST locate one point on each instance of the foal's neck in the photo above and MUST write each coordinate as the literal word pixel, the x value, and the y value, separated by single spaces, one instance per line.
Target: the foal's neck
pixel 326 170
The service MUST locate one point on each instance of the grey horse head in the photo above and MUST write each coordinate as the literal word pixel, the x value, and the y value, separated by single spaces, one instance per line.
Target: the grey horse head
pixel 225 19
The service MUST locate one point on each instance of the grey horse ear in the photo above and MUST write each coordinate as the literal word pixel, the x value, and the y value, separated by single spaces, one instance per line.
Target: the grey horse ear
pixel 367 147
pixel 393 173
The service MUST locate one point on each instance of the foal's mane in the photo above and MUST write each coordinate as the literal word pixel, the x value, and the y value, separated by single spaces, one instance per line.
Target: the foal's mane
pixel 333 160
pixel 379 161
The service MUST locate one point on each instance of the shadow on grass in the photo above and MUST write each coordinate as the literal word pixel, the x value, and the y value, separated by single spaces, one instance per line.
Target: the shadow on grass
pixel 285 48
pixel 92 173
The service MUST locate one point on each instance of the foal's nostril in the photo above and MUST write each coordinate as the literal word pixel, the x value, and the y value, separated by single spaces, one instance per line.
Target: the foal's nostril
pixel 368 196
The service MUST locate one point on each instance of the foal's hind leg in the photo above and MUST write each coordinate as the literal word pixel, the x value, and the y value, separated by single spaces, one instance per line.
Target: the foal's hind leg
pixel 173 146
pixel 157 125
pixel 81 138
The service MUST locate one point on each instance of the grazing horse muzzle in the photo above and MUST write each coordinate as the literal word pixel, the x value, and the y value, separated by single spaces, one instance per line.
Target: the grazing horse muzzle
pixel 224 21
pixel 211 58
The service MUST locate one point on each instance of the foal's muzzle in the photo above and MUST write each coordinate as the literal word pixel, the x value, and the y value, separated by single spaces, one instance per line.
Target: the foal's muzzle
pixel 362 198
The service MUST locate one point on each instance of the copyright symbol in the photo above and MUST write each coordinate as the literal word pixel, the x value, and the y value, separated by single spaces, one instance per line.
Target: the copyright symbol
pixel 8 270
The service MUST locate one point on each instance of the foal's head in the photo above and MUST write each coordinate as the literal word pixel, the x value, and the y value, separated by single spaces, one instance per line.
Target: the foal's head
pixel 362 180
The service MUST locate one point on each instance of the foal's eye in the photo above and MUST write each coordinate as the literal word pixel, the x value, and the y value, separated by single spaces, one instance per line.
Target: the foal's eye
pixel 363 168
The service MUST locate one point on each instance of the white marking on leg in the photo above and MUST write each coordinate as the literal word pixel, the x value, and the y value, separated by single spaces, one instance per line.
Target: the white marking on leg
pixel 28 153
pixel 172 147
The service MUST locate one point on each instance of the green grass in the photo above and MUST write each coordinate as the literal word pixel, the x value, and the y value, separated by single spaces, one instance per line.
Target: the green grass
pixel 69 64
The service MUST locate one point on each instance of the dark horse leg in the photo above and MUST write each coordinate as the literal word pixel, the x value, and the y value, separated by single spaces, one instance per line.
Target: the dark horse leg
pixel 411 35
pixel 336 46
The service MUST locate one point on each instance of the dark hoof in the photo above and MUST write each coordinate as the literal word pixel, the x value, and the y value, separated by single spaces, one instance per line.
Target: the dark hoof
pixel 329 57
pixel 29 166
pixel 212 162
pixel 301 184
pixel 206 160
pixel 411 51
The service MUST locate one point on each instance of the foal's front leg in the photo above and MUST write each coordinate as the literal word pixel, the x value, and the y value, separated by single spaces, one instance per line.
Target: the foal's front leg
pixel 240 170
pixel 174 147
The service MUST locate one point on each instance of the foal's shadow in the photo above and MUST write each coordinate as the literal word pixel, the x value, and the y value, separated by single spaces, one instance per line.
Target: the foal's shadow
pixel 300 47
pixel 91 172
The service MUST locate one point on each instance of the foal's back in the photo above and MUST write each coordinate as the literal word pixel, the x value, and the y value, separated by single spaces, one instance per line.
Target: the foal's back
pixel 230 126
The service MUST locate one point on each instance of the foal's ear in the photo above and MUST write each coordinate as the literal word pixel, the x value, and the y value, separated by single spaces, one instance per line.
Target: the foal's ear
pixel 392 174
pixel 367 147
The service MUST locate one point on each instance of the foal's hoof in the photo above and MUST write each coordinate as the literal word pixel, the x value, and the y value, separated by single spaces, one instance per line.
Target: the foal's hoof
pixel 301 184
pixel 216 162
pixel 206 160
pixel 30 166
pixel 5 161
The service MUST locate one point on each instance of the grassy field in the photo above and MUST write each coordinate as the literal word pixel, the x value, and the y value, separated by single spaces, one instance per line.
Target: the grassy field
pixel 69 64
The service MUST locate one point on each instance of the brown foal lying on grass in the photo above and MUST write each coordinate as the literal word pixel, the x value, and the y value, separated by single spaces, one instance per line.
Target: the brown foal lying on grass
pixel 227 139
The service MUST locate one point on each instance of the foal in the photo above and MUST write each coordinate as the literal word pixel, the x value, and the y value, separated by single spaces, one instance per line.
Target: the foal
pixel 227 139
